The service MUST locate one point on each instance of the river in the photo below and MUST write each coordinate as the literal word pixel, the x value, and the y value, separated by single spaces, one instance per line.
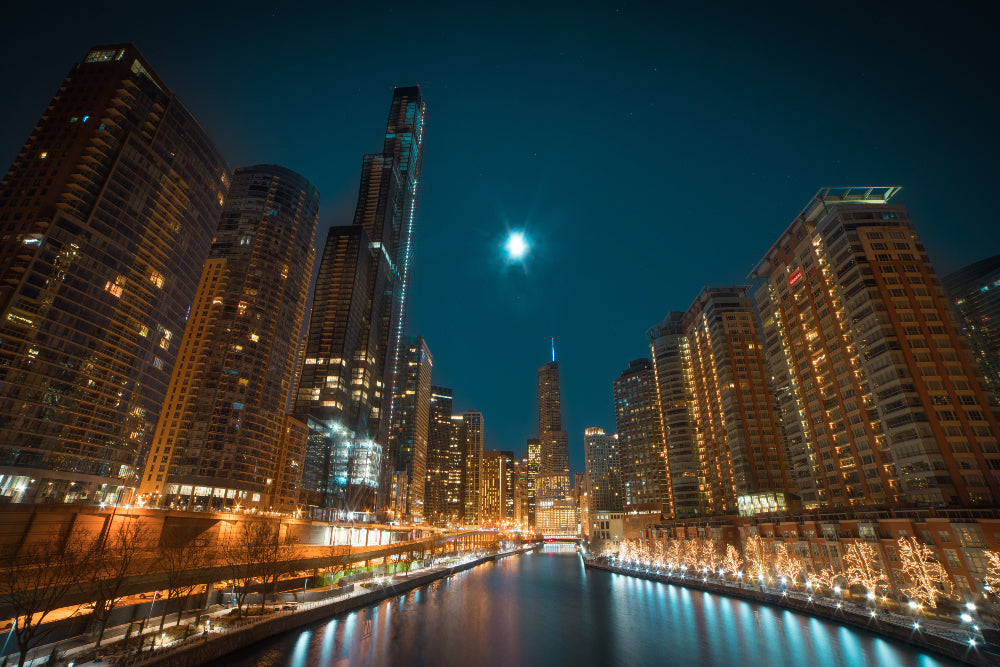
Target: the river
pixel 544 608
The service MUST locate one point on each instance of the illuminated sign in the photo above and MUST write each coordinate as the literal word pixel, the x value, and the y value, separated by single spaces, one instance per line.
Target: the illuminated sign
pixel 795 277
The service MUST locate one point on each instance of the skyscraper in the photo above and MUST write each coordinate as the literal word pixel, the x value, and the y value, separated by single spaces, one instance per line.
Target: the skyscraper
pixel 471 441
pixel 975 294
pixel 604 474
pixel 736 431
pixel 553 474
pixel 107 215
pixel 442 492
pixel 497 488
pixel 880 400
pixel 224 435
pixel 534 465
pixel 410 427
pixel 645 474
pixel 353 350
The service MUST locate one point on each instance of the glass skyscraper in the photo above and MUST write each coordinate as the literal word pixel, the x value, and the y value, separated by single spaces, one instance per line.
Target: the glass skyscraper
pixel 355 333
pixel 106 217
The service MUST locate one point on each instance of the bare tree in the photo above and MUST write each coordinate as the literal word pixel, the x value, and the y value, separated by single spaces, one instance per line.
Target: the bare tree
pixel 116 558
pixel 256 551
pixel 36 581
pixel 756 555
pixel 179 560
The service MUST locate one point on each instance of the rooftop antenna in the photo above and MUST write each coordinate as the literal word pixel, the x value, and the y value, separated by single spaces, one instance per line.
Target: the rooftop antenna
pixel 553 348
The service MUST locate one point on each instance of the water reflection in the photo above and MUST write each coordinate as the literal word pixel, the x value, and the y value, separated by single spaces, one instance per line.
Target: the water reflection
pixel 545 609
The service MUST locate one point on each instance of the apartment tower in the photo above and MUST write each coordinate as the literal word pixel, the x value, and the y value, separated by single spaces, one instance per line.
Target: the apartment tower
pixel 225 439
pixel 106 216
pixel 880 401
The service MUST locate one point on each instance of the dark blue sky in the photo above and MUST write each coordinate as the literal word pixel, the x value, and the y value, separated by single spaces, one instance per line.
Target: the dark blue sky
pixel 646 150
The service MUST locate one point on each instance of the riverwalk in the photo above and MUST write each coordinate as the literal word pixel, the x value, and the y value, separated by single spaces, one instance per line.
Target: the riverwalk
pixel 214 643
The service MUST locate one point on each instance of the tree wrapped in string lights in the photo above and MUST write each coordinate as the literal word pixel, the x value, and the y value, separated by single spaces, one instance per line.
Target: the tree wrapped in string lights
pixel 828 578
pixel 787 563
pixel 927 579
pixel 863 568
pixel 690 556
pixel 675 552
pixel 708 555
pixel 992 578
pixel 733 561
pixel 756 555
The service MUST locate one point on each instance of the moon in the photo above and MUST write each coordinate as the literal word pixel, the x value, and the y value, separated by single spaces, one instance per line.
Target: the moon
pixel 516 246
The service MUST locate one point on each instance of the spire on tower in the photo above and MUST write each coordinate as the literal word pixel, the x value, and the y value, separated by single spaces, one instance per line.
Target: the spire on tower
pixel 553 348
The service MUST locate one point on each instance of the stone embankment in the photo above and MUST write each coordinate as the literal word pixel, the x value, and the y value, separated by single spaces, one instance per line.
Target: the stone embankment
pixel 890 625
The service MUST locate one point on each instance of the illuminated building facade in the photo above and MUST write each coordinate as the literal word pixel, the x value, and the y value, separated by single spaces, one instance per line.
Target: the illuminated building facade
pixel 975 295
pixel 604 474
pixel 411 420
pixel 740 442
pixel 470 436
pixel 107 214
pixel 553 473
pixel 645 478
pixel 355 333
pixel 533 463
pixel 224 431
pixel 497 488
pixel 879 398
pixel 443 489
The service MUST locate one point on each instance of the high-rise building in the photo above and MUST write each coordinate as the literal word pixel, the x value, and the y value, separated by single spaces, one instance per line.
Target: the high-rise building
pixel 553 474
pixel 410 428
pixel 735 427
pixel 644 470
pixel 470 437
pixel 107 214
pixel 224 431
pixel 534 464
pixel 879 398
pixel 975 294
pixel 443 490
pixel 496 488
pixel 355 333
pixel 603 466
pixel 668 348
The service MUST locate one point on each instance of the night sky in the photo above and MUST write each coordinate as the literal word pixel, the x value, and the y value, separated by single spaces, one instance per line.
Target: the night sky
pixel 644 151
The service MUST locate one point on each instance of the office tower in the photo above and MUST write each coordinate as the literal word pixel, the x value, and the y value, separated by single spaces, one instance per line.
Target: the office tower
pixel 534 465
pixel 879 399
pixel 470 436
pixel 734 425
pixel 107 214
pixel 581 494
pixel 644 469
pixel 442 494
pixel 553 474
pixel 975 295
pixel 410 427
pixel 355 333
pixel 224 427
pixel 496 488
pixel 603 466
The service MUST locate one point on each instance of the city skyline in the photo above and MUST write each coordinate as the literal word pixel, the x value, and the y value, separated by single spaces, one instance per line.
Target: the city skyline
pixel 766 121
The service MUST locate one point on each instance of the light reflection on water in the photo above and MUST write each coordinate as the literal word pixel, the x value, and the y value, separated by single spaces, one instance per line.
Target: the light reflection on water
pixel 545 609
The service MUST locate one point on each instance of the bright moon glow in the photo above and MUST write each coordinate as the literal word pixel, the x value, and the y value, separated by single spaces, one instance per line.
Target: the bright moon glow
pixel 516 246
